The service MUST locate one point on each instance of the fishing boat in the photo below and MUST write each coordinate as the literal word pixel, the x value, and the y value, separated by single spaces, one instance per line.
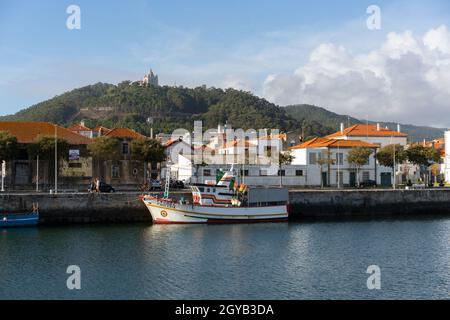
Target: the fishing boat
pixel 222 202
pixel 9 220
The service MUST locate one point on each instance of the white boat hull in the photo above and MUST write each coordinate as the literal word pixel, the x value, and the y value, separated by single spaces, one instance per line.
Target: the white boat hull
pixel 168 213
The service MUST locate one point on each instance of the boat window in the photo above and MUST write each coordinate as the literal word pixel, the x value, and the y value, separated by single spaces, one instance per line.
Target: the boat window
pixel 208 190
pixel 201 189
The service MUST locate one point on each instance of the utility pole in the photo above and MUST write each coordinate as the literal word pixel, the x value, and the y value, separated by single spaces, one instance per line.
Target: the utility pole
pixel 56 159
pixel 3 175
pixel 37 173
pixel 395 170
pixel 338 158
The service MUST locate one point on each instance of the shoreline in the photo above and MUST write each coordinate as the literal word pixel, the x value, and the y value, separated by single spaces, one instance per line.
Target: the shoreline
pixel 306 205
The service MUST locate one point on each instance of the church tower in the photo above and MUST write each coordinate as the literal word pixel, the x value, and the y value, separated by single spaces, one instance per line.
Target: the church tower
pixel 150 79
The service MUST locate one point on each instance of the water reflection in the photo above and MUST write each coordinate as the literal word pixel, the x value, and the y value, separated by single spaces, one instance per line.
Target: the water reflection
pixel 324 260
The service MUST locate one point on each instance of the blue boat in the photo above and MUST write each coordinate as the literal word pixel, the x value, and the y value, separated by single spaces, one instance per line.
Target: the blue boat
pixel 10 220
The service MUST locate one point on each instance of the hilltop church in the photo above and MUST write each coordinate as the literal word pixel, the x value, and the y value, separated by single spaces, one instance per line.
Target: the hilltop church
pixel 150 79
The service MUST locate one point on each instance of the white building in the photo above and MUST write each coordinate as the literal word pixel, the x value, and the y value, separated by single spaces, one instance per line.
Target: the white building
pixel 447 157
pixel 378 136
pixel 252 175
pixel 335 170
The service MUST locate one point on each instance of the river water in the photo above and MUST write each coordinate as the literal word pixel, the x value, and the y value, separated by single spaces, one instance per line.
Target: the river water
pixel 305 260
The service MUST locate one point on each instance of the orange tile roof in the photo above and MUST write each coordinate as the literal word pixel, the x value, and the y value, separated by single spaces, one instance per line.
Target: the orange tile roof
pixel 236 143
pixel 101 130
pixel 27 132
pixel 124 133
pixel 363 130
pixel 78 127
pixel 308 143
pixel 334 143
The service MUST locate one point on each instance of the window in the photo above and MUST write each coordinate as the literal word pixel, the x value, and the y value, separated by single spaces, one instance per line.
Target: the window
pixel 263 172
pixel 75 165
pixel 125 148
pixel 244 173
pixel 281 173
pixel 313 158
pixel 201 189
pixel 339 159
pixel 366 176
pixel 115 172
pixel 207 172
pixel 299 173
pixel 268 151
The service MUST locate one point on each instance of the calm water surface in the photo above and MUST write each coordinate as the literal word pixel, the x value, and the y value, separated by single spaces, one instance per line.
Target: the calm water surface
pixel 320 260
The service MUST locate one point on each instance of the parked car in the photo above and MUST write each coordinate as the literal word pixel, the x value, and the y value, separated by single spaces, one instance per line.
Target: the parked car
pixel 104 187
pixel 368 184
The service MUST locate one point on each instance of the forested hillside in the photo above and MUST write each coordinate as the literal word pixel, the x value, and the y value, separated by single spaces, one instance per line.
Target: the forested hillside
pixel 130 105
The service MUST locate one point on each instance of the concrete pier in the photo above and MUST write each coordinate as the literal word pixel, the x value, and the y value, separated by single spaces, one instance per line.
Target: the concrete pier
pixel 126 207
pixel 369 203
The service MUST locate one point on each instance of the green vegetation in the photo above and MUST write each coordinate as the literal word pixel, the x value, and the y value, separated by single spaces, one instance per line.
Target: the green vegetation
pixel 148 150
pixel 8 146
pixel 422 156
pixel 358 157
pixel 45 148
pixel 319 121
pixel 385 155
pixel 130 105
pixel 104 148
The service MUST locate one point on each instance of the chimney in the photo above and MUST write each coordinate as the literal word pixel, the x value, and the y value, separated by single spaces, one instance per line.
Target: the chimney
pixel 83 123
pixel 342 128
pixel 398 127
pixel 378 127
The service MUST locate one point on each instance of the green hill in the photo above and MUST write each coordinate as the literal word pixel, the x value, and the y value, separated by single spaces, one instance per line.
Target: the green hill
pixel 333 121
pixel 130 105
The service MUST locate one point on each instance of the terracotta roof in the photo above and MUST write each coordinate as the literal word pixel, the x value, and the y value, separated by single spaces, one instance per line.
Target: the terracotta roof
pixel 27 132
pixel 78 127
pixel 102 130
pixel 308 143
pixel 334 143
pixel 236 143
pixel 363 130
pixel 124 133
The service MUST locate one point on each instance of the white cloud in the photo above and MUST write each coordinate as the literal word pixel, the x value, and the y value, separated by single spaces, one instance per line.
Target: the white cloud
pixel 405 79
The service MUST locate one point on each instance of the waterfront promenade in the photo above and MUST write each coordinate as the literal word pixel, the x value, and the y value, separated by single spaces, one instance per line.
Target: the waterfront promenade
pixel 305 204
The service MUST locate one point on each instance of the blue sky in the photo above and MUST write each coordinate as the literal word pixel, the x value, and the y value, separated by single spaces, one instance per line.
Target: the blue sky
pixel 227 43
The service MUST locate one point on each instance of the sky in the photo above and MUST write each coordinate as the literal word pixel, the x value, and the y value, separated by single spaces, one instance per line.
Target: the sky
pixel 287 51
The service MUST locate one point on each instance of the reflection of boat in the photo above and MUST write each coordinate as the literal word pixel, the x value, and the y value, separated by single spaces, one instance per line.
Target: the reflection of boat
pixel 8 220
pixel 222 202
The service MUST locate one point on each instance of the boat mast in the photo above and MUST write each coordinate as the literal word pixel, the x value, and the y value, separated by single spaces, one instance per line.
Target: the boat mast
pixel 167 184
